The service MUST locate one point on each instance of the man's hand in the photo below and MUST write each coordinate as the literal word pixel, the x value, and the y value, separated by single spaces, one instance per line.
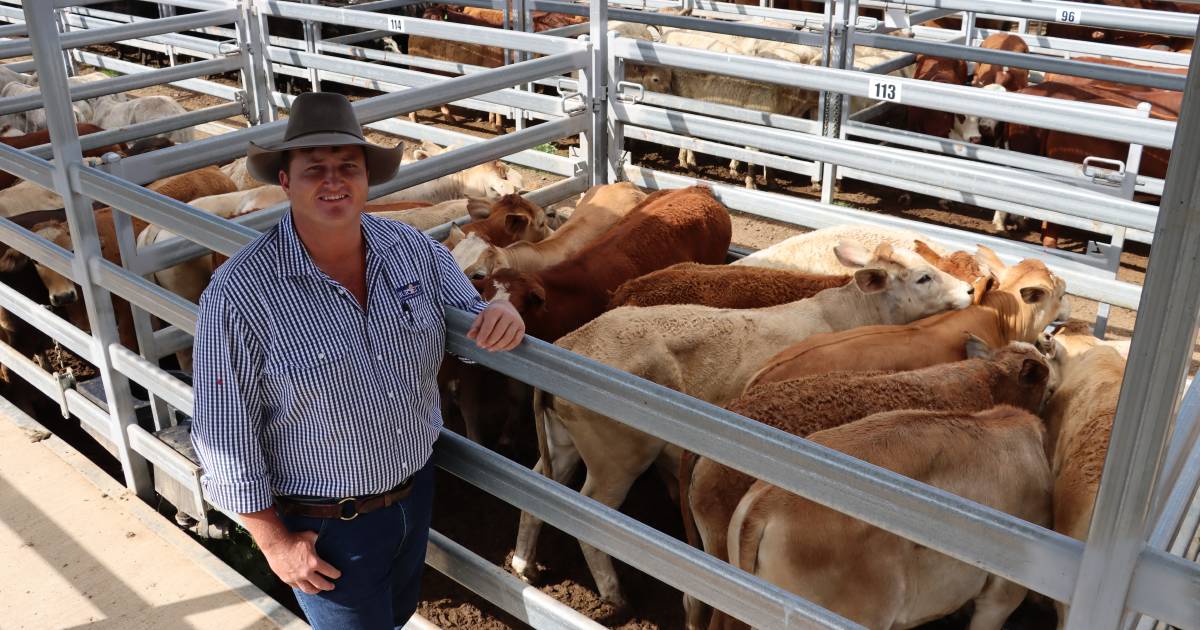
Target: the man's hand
pixel 498 328
pixel 294 559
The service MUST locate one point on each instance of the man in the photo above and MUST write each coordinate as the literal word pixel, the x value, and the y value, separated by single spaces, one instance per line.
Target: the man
pixel 317 350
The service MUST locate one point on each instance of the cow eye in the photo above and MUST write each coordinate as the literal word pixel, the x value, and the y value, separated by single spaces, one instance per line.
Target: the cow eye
pixel 925 278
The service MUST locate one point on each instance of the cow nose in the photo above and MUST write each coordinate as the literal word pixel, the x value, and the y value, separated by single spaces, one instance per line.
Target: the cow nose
pixel 970 290
pixel 974 139
pixel 63 298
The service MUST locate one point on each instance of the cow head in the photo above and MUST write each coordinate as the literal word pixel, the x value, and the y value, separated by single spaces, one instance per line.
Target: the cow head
pixel 1028 296
pixel 61 290
pixel 1026 378
pixel 962 265
pixel 492 180
pixel 475 256
pixel 524 291
pixel 653 78
pixel 909 286
pixel 523 219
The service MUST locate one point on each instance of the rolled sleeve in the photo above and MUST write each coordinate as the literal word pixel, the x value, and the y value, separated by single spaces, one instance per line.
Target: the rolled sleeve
pixel 227 420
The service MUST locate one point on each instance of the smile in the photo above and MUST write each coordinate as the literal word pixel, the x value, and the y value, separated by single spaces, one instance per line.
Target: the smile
pixel 333 197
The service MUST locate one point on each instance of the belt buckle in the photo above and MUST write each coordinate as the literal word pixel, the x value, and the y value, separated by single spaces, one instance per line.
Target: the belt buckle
pixel 342 509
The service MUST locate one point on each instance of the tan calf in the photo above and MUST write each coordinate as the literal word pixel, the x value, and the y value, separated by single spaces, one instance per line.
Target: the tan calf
pixel 710 354
pixel 1026 300
pixel 599 209
pixel 876 578
pixel 511 219
pixel 1017 375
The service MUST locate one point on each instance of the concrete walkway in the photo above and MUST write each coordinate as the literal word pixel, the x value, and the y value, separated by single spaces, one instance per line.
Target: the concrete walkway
pixel 76 550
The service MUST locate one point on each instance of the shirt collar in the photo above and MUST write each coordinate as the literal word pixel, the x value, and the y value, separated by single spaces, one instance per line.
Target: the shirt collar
pixel 380 238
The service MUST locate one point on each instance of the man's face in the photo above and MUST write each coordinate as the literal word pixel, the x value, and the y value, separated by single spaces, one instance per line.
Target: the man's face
pixel 326 185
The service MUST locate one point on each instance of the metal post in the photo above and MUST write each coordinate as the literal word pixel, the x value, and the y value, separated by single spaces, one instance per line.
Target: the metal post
pixel 598 95
pixel 312 43
pixel 840 28
pixel 252 37
pixel 166 11
pixel 1158 357
pixel 60 119
pixel 616 129
pixel 1116 245
pixel 823 96
pixel 968 27
pixel 64 26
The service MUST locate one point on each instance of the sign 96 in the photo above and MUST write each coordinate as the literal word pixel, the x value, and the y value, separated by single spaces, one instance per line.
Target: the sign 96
pixel 1069 16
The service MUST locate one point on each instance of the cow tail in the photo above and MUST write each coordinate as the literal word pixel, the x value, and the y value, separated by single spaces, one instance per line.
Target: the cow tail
pixel 746 533
pixel 687 464
pixel 541 401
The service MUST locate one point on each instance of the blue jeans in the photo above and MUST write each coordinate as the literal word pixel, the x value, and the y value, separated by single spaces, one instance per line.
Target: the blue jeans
pixel 381 555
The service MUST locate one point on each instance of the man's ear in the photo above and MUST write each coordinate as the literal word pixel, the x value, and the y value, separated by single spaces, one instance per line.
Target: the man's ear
pixel 283 180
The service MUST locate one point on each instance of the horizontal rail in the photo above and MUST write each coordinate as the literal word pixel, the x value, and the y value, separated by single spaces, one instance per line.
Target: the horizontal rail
pixel 749 157
pixel 91 415
pixel 56 327
pixel 1060 45
pixel 212 88
pixel 1083 280
pixel 674 562
pixel 83 91
pixel 528 42
pixel 501 588
pixel 175 392
pixel 192 45
pixel 1085 118
pixel 1141 20
pixel 164 458
pixel 1131 76
pixel 146 295
pixel 146 168
pixel 79 39
pixel 147 129
pixel 213 232
pixel 973 177
pixel 26 166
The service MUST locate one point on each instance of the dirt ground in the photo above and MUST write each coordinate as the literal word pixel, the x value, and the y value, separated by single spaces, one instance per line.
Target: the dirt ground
pixel 488 526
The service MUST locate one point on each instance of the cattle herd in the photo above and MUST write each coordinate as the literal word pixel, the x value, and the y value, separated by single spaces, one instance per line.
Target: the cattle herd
pixel 875 342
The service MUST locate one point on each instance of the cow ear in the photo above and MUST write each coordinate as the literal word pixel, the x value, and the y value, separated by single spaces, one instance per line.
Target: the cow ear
pixel 12 260
pixel 989 258
pixel 871 280
pixel 537 296
pixel 852 254
pixel 1033 295
pixel 1033 372
pixel 977 348
pixel 515 223
pixel 455 236
pixel 478 208
pixel 926 252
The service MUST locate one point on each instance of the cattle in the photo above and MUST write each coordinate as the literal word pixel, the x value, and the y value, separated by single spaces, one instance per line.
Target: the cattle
pixel 1013 79
pixel 1075 148
pixel 722 286
pixel 26 196
pixel 935 122
pixel 490 180
pixel 236 170
pixel 511 219
pixel 115 115
pixel 38 138
pixel 448 50
pixel 1017 374
pixel 874 577
pixel 8 76
pixel 542 20
pixel 599 209
pixel 669 226
pixel 813 252
pixel 709 354
pixel 1026 299
pixel 1079 419
pixel 34 119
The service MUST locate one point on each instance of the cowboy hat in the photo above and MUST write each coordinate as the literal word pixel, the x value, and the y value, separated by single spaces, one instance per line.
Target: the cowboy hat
pixel 322 119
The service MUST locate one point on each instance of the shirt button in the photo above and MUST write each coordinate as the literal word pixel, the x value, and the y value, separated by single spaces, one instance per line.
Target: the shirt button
pixel 320 355
pixel 391 394
pixel 379 356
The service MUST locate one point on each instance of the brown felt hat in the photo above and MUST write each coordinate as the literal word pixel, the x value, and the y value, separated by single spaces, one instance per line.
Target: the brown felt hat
pixel 322 119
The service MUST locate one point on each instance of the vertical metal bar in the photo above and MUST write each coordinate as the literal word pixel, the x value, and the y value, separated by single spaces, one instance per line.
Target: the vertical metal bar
pixel 166 11
pixel 616 129
pixel 60 118
pixel 1133 163
pixel 598 93
pixel 254 39
pixel 1158 358
pixel 824 95
pixel 64 26
pixel 968 27
pixel 312 40
pixel 835 104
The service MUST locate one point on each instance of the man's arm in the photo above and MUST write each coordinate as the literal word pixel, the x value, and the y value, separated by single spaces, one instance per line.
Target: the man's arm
pixel 497 326
pixel 226 434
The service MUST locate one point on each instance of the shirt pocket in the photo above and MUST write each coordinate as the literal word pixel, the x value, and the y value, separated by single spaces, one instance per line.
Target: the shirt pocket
pixel 320 377
pixel 420 312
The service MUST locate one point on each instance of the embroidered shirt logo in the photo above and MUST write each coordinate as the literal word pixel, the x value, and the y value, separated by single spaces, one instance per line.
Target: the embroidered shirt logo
pixel 410 290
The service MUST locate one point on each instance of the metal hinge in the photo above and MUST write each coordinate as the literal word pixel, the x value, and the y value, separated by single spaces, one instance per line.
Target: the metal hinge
pixel 637 92
pixel 572 101
pixel 249 112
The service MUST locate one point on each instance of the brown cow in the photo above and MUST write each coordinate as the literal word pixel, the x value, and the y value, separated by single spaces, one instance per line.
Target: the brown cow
pixel 935 122
pixel 1075 148
pixel 38 138
pixel 1026 299
pixel 1017 375
pixel 1013 79
pixel 879 579
pixel 511 219
pixel 669 226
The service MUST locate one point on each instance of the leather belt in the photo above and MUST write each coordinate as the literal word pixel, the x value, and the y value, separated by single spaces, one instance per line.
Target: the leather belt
pixel 346 509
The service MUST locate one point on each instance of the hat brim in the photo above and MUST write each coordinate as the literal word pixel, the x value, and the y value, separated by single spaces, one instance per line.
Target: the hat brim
pixel 264 163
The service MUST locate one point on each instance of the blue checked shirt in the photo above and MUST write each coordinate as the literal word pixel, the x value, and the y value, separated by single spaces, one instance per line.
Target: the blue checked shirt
pixel 299 391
